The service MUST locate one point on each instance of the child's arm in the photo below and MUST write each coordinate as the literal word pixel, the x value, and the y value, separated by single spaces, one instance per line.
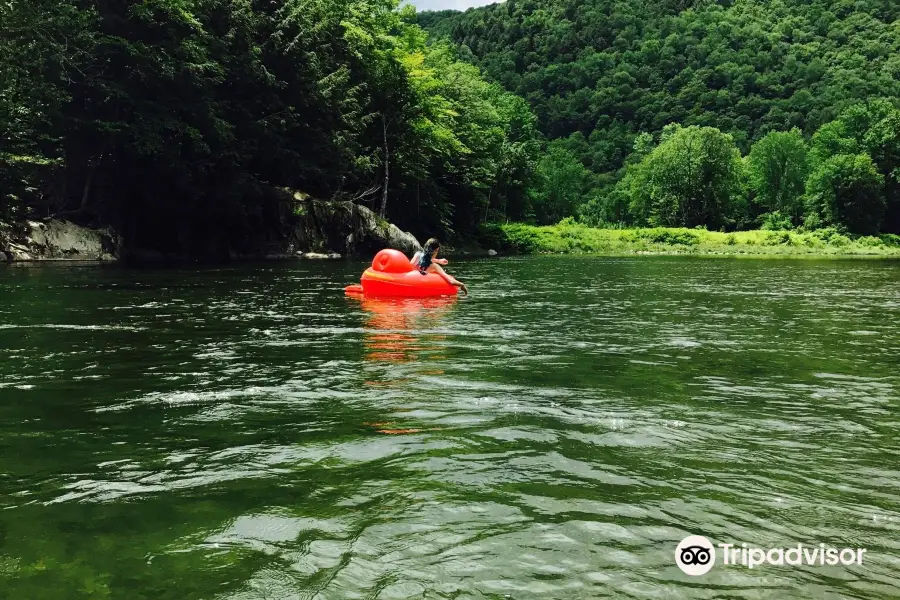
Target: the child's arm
pixel 451 279
pixel 440 261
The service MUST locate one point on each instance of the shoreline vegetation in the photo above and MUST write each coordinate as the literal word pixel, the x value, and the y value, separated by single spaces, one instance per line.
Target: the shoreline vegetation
pixel 190 129
pixel 569 237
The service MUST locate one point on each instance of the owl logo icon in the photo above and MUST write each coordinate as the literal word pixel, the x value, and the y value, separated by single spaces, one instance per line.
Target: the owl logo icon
pixel 695 555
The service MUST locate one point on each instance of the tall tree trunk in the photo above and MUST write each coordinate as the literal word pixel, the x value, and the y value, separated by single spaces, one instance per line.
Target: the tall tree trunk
pixel 85 196
pixel 92 172
pixel 387 170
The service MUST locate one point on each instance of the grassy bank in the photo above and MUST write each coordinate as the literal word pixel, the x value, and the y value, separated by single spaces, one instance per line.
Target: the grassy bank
pixel 570 237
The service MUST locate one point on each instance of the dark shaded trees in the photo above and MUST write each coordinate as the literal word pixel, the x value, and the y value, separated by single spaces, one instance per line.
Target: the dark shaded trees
pixel 170 119
pixel 846 190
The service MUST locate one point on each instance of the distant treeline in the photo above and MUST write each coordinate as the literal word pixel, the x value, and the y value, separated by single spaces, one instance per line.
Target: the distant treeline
pixel 174 119
pixel 807 89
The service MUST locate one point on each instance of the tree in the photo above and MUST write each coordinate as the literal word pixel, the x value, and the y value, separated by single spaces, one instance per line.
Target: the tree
pixel 42 44
pixel 690 179
pixel 608 69
pixel 873 129
pixel 562 183
pixel 518 157
pixel 846 190
pixel 777 170
pixel 883 143
pixel 876 125
pixel 176 121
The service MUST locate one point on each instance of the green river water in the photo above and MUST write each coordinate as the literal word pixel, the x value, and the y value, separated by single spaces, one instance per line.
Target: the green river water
pixel 251 433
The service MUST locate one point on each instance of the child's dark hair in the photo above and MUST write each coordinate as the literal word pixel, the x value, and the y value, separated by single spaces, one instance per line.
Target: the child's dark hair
pixel 427 250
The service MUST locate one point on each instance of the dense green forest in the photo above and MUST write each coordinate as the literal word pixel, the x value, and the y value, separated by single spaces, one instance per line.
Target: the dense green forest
pixel 173 120
pixel 725 115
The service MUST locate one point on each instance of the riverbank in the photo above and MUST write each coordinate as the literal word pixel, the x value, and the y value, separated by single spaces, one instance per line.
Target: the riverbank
pixel 573 238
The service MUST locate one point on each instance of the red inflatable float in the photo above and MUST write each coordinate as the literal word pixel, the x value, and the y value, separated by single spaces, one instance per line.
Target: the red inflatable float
pixel 391 274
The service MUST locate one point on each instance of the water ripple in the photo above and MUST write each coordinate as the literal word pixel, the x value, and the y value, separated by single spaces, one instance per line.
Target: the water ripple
pixel 250 433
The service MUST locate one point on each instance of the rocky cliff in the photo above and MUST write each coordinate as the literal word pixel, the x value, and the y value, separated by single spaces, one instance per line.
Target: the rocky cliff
pixel 311 229
pixel 57 240
pixel 345 228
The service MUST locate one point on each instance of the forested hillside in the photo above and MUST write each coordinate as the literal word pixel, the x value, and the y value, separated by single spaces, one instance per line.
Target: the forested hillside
pixel 174 119
pixel 606 77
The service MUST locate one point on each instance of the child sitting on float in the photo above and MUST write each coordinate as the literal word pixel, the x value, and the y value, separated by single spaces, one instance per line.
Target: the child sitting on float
pixel 428 262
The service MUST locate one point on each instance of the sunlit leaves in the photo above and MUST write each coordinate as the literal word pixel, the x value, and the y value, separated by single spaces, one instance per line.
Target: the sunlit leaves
pixel 608 69
pixel 777 168
pixel 174 111
pixel 692 178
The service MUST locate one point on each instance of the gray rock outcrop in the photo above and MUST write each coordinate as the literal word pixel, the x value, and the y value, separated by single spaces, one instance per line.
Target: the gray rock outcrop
pixel 345 228
pixel 308 229
pixel 58 240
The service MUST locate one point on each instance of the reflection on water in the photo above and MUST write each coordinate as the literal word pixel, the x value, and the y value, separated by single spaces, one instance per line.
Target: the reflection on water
pixel 403 330
pixel 398 328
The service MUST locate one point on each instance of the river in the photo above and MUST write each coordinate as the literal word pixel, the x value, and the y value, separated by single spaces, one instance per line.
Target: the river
pixel 251 433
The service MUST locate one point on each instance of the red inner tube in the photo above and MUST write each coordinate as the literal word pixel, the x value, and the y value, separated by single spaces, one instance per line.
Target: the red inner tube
pixel 391 274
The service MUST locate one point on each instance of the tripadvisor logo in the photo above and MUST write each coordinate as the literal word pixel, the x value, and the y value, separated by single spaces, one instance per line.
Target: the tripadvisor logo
pixel 696 555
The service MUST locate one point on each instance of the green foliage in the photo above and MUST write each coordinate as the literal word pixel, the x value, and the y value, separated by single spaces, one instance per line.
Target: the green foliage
pixel 870 240
pixel 690 179
pixel 777 170
pixel 606 78
pixel 174 121
pixel 491 235
pixel 523 238
pixel 873 129
pixel 561 185
pixel 41 42
pixel 571 237
pixel 610 69
pixel 661 235
pixel 607 209
pixel 812 221
pixel 890 239
pixel 839 240
pixel 827 234
pixel 846 189
pixel 775 221
pixel 777 238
